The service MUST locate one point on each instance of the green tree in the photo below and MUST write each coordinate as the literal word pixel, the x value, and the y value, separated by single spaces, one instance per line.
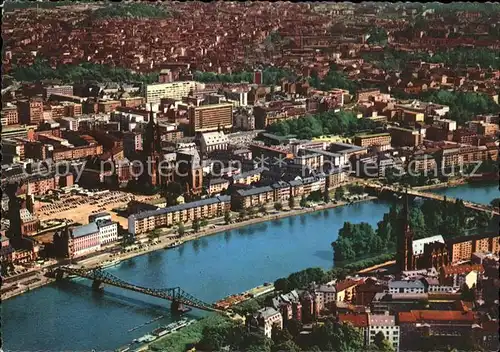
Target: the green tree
pixel 417 222
pixel 255 342
pixel 382 343
pixel 303 202
pixel 278 206
pixel 315 196
pixel 377 35
pixel 84 72
pixel 242 214
pixel 467 294
pixel 326 196
pixel 227 217
pixel 294 327
pixel 252 211
pixel 281 285
pixel 280 335
pixel 343 249
pixel 286 346
pixel 171 192
pixel 291 202
pixel 262 209
pixel 334 336
pixel 248 307
pixel 180 228
pixel 196 225
pixel 355 240
pixel 339 193
pixel 213 337
pixel 127 239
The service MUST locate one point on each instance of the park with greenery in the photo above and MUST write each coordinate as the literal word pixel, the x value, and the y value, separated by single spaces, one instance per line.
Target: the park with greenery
pixel 394 60
pixel 463 105
pixel 80 73
pixel 305 277
pixel 329 336
pixel 270 76
pixel 427 218
pixel 325 123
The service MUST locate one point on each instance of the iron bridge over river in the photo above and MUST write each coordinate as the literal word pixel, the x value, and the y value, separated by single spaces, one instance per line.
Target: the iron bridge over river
pixel 179 298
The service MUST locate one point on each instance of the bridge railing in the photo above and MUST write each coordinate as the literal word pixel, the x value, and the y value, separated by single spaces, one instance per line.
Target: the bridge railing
pixel 171 294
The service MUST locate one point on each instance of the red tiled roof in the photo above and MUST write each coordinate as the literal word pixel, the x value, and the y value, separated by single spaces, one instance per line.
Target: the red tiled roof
pixel 341 286
pixel 435 315
pixel 444 296
pixel 462 269
pixel 357 320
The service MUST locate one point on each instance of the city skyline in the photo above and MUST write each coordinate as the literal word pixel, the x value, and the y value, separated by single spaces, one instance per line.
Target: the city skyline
pixel 250 176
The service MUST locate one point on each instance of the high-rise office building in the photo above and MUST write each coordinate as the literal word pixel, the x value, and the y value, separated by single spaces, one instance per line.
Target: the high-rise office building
pixel 206 118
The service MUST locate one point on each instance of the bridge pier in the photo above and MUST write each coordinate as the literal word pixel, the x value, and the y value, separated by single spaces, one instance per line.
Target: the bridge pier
pixel 97 285
pixel 178 307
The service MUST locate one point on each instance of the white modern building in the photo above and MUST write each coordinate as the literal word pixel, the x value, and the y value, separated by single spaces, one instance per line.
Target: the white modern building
pixel 325 294
pixel 419 245
pixel 385 324
pixel 174 90
pixel 211 141
pixel 240 96
pixel 108 231
pixel 416 286
pixel 268 317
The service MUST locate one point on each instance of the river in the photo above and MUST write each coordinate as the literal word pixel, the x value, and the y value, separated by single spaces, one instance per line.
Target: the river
pixel 68 315
pixel 475 192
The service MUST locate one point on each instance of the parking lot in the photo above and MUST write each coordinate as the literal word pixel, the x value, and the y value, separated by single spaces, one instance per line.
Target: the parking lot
pixel 77 208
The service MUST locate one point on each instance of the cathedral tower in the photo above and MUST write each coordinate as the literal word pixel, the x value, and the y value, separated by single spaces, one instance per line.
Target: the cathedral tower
pixel 405 240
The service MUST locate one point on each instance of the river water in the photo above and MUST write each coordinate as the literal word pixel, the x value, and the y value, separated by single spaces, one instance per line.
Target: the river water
pixel 477 193
pixel 68 315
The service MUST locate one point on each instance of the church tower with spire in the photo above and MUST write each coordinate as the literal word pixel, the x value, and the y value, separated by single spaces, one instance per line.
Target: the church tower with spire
pixel 152 151
pixel 404 258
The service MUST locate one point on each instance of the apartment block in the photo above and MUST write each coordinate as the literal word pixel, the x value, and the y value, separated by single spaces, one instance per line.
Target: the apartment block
pixel 385 324
pixel 208 118
pixel 202 209
pixel 412 117
pixel 461 248
pixel 84 240
pixel 108 231
pixel 466 155
pixel 264 320
pixel 244 199
pixel 64 90
pixel 132 102
pixel 441 324
pixel 27 132
pixel 108 106
pixel 405 137
pixel 30 111
pixel 382 140
pixel 13 149
pixel 76 153
pixel 10 115
pixel 72 109
pixel 277 192
pixel 249 177
pixel 175 90
pixel 132 143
